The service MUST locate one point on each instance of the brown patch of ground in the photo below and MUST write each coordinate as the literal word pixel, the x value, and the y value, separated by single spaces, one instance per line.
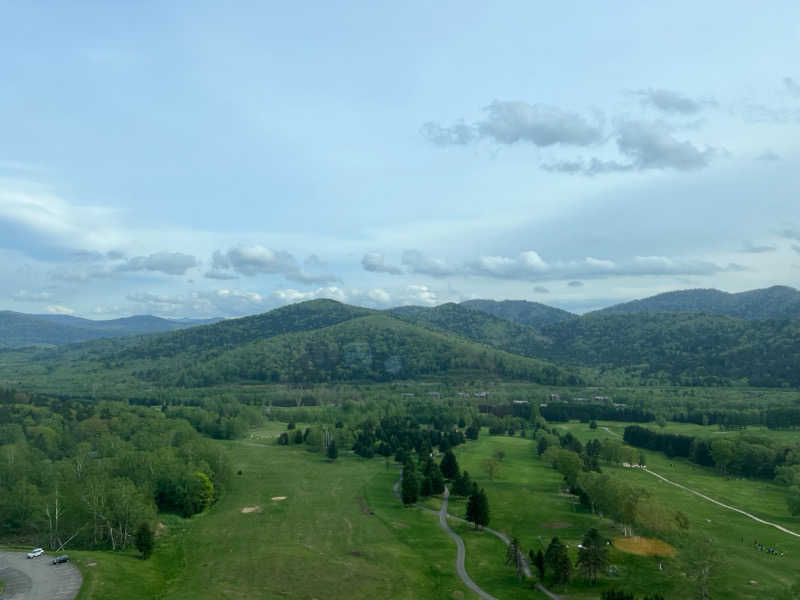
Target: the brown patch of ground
pixel 160 529
pixel 362 503
pixel 555 525
pixel 278 498
pixel 251 509
pixel 643 546
pixel 397 525
pixel 91 564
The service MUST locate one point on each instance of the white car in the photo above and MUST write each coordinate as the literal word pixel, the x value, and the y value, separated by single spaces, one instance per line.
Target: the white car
pixel 35 552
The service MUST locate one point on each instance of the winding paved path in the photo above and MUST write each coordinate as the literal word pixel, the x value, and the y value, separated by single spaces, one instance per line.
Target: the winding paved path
pixel 717 502
pixel 462 552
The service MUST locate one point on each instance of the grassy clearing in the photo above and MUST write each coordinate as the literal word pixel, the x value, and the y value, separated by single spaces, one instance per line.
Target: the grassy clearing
pixel 526 501
pixel 319 542
pixel 733 534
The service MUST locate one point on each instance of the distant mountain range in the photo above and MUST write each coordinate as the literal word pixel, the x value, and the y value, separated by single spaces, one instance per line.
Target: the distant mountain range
pixel 19 330
pixel 777 302
pixel 693 337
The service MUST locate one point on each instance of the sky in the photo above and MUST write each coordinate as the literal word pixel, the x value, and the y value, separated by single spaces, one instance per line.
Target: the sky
pixel 221 159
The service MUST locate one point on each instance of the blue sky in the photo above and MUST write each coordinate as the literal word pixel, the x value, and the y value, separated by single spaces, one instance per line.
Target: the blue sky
pixel 207 160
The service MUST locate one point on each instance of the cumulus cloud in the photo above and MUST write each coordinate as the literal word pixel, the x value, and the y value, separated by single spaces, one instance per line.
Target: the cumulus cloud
pixel 221 275
pixel 259 260
pixel 652 146
pixel 751 248
pixel 459 134
pixel 527 264
pixel 202 303
pixel 645 146
pixel 170 263
pixel 419 294
pixel 671 102
pixel 374 262
pixel 379 295
pixel 421 264
pixel 509 122
pixel 57 309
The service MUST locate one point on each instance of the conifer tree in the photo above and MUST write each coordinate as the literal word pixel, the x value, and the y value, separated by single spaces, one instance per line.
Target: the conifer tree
pixel 410 484
pixel 449 466
pixel 593 555
pixel 332 451
pixel 556 562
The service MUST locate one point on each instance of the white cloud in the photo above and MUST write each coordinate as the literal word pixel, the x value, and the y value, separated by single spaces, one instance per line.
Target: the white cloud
pixel 57 309
pixel 374 262
pixel 255 259
pixel 170 263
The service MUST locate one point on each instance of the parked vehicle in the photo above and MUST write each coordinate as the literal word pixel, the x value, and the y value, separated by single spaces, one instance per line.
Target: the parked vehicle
pixel 60 559
pixel 35 552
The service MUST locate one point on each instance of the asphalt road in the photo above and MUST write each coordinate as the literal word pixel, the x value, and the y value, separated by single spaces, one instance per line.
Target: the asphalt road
pixel 36 579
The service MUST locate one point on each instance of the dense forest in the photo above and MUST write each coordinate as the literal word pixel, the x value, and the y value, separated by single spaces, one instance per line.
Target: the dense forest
pixel 777 302
pixel 91 473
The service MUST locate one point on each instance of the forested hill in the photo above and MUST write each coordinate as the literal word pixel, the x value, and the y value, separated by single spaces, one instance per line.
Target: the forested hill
pixel 477 326
pixel 777 302
pixel 18 330
pixel 521 311
pixel 683 348
pixel 303 316
pixel 368 348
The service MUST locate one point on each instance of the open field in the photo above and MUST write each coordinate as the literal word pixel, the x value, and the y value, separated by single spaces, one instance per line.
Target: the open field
pixel 322 541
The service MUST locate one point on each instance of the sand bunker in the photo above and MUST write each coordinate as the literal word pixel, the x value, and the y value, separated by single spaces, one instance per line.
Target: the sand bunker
pixel 643 546
pixel 279 498
pixel 251 509
pixel 555 525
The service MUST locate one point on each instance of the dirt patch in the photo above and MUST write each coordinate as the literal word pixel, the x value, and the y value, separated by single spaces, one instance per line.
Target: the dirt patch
pixel 397 525
pixel 251 509
pixel 643 546
pixel 278 498
pixel 362 504
pixel 91 564
pixel 555 525
pixel 160 529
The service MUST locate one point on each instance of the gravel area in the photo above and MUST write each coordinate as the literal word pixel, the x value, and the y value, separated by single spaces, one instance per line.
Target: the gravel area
pixel 36 579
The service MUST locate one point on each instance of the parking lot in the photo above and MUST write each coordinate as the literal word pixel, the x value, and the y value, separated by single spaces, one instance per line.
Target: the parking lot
pixel 37 579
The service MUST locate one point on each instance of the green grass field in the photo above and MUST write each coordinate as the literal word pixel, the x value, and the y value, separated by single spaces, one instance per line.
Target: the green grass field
pixel 322 541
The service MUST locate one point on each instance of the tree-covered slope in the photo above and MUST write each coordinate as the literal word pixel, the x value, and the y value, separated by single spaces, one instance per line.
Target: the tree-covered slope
pixel 521 311
pixel 303 316
pixel 18 330
pixel 477 326
pixel 690 348
pixel 374 348
pixel 777 302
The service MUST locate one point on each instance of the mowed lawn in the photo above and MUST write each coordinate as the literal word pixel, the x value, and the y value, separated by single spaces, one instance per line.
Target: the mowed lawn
pixel 321 541
pixel 732 534
pixel 526 501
